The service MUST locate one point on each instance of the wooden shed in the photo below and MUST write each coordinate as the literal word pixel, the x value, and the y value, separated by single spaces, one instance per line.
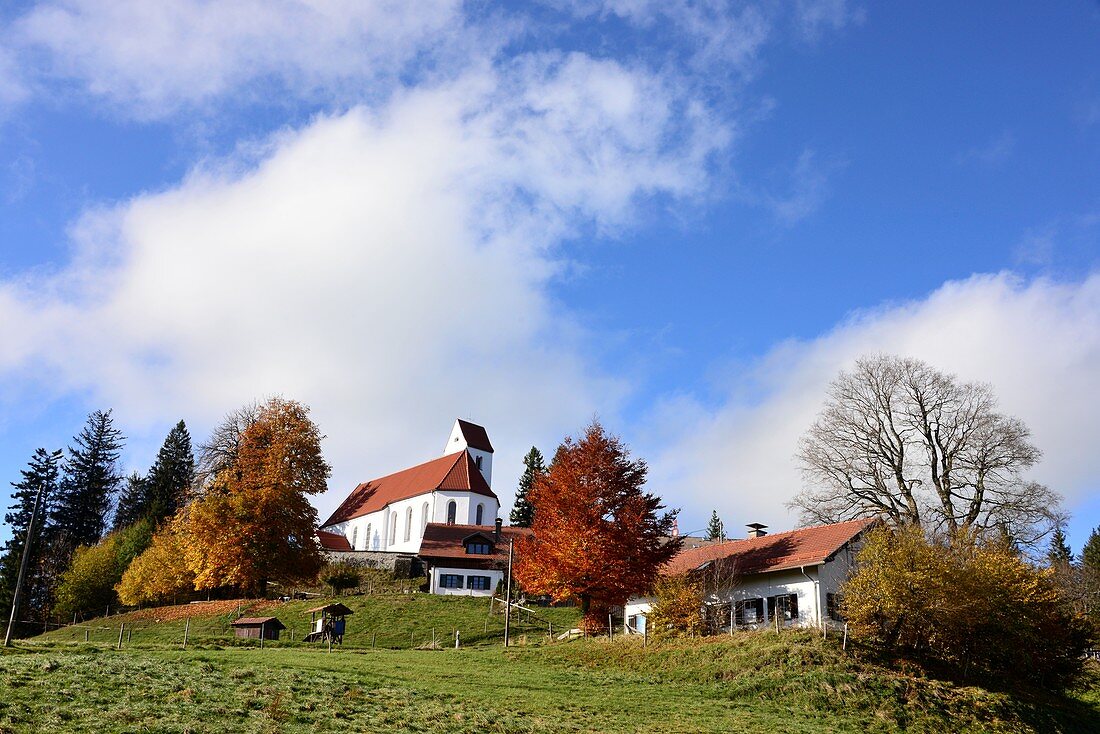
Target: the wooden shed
pixel 263 628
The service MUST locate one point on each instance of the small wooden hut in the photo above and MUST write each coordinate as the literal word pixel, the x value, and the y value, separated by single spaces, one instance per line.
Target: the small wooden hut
pixel 330 625
pixel 261 628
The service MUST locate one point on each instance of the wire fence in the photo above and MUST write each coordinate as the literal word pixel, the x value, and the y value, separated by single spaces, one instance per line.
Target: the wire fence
pixel 527 627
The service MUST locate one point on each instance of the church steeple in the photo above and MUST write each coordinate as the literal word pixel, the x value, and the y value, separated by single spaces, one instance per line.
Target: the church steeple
pixel 466 436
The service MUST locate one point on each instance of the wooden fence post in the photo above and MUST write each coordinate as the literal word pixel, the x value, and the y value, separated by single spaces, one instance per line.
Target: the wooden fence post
pixel 373 638
pixel 85 634
pixel 456 639
pixel 844 645
pixel 610 629
pixel 186 629
pixel 121 630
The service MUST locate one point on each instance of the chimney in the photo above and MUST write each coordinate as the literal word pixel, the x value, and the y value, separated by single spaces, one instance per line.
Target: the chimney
pixel 496 530
pixel 756 530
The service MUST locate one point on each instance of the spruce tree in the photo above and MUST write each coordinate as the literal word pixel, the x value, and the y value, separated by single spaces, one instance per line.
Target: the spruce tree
pixel 1059 555
pixel 133 502
pixel 171 476
pixel 523 512
pixel 1090 555
pixel 41 474
pixel 91 480
pixel 715 529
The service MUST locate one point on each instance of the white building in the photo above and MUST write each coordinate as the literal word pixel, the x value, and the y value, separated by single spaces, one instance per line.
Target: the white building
pixel 391 513
pixel 795 575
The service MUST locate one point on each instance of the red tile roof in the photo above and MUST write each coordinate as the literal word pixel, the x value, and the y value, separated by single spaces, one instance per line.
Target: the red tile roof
pixel 446 541
pixel 475 435
pixel 454 471
pixel 778 552
pixel 333 541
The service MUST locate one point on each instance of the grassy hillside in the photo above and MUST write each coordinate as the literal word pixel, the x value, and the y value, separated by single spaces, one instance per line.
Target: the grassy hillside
pixel 756 682
pixel 391 620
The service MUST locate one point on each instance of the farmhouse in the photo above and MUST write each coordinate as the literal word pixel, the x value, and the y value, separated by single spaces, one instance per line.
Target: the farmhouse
pixel 467 559
pixel 390 514
pixel 795 576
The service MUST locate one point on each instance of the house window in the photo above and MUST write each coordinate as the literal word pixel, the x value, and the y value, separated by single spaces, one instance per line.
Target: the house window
pixel 450 581
pixel 452 511
pixel 478 547
pixel 423 519
pixel 478 583
pixel 480 514
pixel 785 605
pixel 354 537
pixel 832 607
pixel 408 524
pixel 749 611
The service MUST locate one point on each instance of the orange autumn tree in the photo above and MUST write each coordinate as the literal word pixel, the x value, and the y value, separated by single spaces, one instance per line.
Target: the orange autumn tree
pixel 254 523
pixel 598 537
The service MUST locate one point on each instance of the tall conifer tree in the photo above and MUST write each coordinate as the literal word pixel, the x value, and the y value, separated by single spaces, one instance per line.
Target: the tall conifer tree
pixel 171 476
pixel 90 483
pixel 523 513
pixel 1090 555
pixel 1059 554
pixel 715 529
pixel 40 474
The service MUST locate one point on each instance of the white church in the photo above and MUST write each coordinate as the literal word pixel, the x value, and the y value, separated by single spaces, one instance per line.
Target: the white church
pixel 392 512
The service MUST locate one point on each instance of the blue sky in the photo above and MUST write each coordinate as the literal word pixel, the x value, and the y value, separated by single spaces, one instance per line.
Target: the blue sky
pixel 685 218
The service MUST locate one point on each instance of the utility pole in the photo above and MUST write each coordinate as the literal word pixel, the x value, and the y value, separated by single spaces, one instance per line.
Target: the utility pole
pixel 508 594
pixel 23 566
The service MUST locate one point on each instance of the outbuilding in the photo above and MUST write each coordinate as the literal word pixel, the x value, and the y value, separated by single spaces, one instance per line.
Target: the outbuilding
pixel 260 628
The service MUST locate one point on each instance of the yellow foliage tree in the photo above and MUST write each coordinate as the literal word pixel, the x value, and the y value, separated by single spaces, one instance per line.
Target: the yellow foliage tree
pixel 677 610
pixel 160 572
pixel 978 608
pixel 255 523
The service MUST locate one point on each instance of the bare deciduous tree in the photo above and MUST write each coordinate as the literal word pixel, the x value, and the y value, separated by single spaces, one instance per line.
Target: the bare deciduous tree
pixel 899 439
pixel 220 450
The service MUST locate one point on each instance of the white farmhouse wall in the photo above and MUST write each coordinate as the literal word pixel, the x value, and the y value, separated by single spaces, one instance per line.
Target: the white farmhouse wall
pixel 495 576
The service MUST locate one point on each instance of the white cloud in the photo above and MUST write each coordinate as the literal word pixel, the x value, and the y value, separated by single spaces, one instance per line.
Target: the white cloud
pixel 388 267
pixel 1037 343
pixel 154 57
pixel 808 188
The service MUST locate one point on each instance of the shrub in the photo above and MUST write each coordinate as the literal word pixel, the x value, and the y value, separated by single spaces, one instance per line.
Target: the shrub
pixel 974 606
pixel 88 585
pixel 340 576
pixel 677 609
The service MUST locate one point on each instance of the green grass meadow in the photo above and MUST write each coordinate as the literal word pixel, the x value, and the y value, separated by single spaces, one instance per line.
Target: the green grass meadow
pixel 755 681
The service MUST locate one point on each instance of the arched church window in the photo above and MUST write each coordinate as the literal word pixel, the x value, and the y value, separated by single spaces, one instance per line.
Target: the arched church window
pixel 477 462
pixel 408 524
pixel 423 519
pixel 354 537
pixel 369 541
pixel 452 510
pixel 393 528
pixel 480 513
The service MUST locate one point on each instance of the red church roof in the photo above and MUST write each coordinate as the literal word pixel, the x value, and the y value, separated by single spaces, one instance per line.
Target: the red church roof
pixel 454 471
pixel 333 541
pixel 778 552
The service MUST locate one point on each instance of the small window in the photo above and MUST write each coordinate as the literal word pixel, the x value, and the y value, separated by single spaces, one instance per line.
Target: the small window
pixel 393 528
pixel 452 511
pixel 478 583
pixel 450 581
pixel 785 605
pixel 368 536
pixel 749 611
pixel 354 537
pixel 477 463
pixel 408 524
pixel 423 519
pixel 832 607
pixel 478 547
pixel 480 514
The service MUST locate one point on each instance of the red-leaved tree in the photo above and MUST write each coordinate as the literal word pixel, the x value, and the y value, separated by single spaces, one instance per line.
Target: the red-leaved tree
pixel 598 537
